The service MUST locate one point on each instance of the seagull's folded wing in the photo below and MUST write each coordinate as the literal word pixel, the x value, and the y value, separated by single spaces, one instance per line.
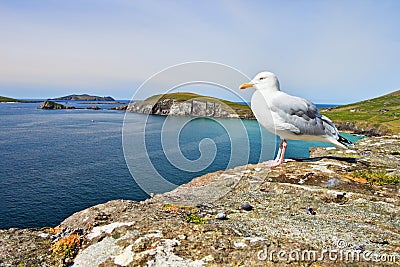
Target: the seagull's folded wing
pixel 300 116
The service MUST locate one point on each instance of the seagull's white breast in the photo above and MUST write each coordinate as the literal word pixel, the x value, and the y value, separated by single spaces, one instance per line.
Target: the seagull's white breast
pixel 262 110
pixel 267 115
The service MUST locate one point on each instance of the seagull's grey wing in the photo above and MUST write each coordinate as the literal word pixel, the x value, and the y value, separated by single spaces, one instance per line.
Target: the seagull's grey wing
pixel 330 127
pixel 300 116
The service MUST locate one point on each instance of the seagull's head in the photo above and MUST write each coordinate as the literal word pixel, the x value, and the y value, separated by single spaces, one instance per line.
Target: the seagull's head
pixel 263 81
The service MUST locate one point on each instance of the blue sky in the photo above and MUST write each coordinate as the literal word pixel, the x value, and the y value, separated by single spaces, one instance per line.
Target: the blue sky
pixel 326 51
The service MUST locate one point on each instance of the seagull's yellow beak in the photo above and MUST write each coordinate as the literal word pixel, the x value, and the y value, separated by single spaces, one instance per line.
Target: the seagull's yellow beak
pixel 246 85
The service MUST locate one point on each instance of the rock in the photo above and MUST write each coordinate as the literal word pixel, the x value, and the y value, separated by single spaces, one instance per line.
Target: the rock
pixel 221 216
pixel 246 207
pixel 367 130
pixel 311 211
pixel 380 242
pixel 51 105
pixel 122 107
pixel 332 182
pixel 68 261
pixel 360 247
pixel 94 107
pixel 340 196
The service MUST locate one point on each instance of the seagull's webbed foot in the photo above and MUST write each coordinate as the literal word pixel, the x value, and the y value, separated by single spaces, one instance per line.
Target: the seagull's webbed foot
pixel 272 163
pixel 279 157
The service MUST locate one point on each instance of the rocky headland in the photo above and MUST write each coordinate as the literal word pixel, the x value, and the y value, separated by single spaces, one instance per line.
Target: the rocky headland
pixel 372 117
pixel 308 210
pixel 190 104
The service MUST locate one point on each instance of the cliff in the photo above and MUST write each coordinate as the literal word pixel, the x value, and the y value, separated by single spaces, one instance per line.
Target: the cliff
pixel 85 97
pixel 336 201
pixel 189 104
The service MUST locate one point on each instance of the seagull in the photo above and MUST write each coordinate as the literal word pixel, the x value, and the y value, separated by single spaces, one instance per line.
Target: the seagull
pixel 289 117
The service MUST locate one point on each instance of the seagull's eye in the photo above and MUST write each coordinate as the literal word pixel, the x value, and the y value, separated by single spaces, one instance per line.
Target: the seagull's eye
pixel 262 78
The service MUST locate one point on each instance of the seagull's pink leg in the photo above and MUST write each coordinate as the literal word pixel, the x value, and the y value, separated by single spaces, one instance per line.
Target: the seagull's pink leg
pixel 279 157
pixel 283 151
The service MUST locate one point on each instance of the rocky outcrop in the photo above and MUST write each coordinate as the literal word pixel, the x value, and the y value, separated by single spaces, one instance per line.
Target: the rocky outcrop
pixel 94 107
pixel 53 105
pixel 122 107
pixel 309 209
pixel 362 128
pixel 193 107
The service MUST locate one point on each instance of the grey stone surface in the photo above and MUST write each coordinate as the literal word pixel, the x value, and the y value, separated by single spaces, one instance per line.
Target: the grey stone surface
pixel 179 228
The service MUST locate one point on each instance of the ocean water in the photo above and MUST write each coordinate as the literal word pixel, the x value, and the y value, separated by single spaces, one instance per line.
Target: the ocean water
pixel 56 162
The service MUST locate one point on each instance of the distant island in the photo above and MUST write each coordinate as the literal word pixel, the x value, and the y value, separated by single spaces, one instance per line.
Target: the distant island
pixel 100 102
pixel 85 97
pixel 9 99
pixel 190 104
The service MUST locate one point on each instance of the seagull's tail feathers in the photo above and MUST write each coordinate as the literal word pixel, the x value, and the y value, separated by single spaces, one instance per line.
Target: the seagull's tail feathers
pixel 344 141
pixel 337 143
pixel 336 139
pixel 340 142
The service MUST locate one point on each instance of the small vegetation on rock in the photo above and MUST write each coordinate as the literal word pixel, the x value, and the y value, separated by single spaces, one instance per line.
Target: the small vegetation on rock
pixel 67 247
pixel 194 218
pixel 170 207
pixel 379 177
pixel 178 209
pixel 54 230
pixel 187 212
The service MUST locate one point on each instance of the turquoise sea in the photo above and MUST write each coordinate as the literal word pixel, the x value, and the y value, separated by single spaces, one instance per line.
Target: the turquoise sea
pixel 56 162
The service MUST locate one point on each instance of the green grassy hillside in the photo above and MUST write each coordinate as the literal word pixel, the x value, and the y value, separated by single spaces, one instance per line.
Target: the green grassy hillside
pixel 184 96
pixel 381 113
pixel 8 99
